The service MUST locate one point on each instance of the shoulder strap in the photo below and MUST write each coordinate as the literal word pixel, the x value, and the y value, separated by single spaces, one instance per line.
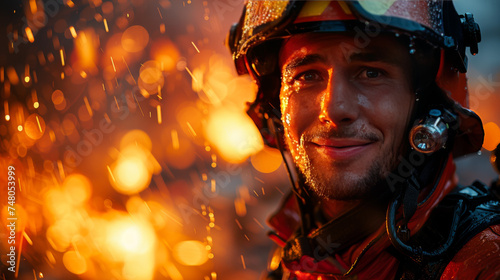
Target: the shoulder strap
pixel 482 209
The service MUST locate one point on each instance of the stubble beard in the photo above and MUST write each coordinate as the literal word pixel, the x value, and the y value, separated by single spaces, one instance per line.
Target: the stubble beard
pixel 329 183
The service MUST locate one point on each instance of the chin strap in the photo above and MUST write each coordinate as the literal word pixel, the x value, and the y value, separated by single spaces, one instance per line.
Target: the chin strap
pixel 399 235
pixel 300 192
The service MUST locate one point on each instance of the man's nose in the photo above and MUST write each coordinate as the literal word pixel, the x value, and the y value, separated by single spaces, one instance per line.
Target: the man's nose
pixel 339 102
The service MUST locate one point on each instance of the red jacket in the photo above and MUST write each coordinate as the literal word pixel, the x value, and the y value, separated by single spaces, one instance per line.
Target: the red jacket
pixel 369 259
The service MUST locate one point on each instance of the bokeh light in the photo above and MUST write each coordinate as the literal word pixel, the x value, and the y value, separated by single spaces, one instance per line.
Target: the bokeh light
pixel 191 253
pixel 130 173
pixel 267 160
pixel 491 136
pixel 233 134
pixel 135 38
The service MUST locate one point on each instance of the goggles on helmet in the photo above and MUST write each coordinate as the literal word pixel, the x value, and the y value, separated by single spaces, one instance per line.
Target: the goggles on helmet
pixel 435 21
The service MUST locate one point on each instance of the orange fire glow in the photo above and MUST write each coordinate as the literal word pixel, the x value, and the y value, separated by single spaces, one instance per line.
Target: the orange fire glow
pixel 233 134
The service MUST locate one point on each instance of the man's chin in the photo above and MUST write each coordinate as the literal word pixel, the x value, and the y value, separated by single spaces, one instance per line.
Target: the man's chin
pixel 346 186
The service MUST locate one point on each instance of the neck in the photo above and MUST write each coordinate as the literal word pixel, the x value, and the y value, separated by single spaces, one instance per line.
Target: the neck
pixel 333 209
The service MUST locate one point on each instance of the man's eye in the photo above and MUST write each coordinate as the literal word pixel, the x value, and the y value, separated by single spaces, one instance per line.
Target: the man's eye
pixel 371 73
pixel 308 76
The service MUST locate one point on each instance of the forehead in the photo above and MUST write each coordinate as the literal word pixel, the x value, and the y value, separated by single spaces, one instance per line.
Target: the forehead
pixel 348 47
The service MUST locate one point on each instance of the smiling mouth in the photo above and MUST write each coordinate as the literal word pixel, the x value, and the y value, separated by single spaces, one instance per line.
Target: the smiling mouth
pixel 342 149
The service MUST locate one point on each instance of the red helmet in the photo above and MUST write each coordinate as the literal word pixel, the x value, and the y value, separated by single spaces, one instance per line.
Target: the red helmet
pixel 431 26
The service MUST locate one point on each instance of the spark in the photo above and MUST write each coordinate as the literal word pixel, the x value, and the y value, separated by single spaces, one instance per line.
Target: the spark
pixel 39 125
pixel 73 31
pixel 258 179
pixel 113 63
pixel 158 112
pixel 172 218
pixel 31 167
pixel 246 237
pixel 6 108
pixel 111 173
pixel 280 191
pixel 238 223
pixel 159 93
pixel 52 135
pixel 175 141
pixel 159 12
pixel 61 169
pixel 19 258
pixel 192 130
pixel 129 70
pixel 61 52
pixel 2 74
pixel 89 109
pixel 116 101
pixel 162 28
pixel 263 191
pixel 255 193
pixel 140 108
pixel 20 185
pixel 106 117
pixel 29 34
pixel 243 261
pixel 214 275
pixel 27 238
pixel 213 185
pixel 191 74
pixel 70 4
pixel 41 58
pixel 33 6
pixel 214 99
pixel 258 223
pixel 106 25
pixel 195 47
pixel 20 128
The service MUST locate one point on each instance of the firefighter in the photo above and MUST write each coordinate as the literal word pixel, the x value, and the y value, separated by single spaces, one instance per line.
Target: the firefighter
pixel 367 102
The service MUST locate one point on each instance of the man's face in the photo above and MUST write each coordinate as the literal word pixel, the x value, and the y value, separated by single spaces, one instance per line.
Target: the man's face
pixel 344 110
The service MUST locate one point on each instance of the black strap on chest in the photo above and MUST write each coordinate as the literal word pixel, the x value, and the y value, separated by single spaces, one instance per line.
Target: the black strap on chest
pixel 481 210
pixel 336 235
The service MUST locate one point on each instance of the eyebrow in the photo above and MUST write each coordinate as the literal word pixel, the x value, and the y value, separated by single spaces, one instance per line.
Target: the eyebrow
pixel 354 57
pixel 303 60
